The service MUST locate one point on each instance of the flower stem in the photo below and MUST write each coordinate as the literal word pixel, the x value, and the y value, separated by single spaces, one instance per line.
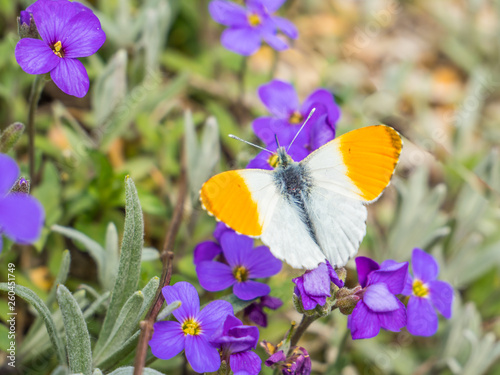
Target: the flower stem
pixel 36 90
pixel 302 327
pixel 167 256
pixel 241 78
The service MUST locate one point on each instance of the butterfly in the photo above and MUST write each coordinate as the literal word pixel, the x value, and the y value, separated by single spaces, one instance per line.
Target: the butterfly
pixel 313 210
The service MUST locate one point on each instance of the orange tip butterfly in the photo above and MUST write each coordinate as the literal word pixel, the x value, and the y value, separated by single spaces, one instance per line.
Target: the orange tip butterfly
pixel 313 210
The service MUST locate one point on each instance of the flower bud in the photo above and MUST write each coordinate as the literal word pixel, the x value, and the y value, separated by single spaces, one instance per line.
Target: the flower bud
pixel 10 136
pixel 26 27
pixel 22 185
pixel 298 304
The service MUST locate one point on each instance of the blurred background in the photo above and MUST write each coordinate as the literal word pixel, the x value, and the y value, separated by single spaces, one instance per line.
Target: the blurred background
pixel 163 85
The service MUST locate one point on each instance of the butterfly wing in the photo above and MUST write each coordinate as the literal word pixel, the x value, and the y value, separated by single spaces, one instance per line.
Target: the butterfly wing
pixel 347 173
pixel 241 198
pixel 358 164
pixel 248 202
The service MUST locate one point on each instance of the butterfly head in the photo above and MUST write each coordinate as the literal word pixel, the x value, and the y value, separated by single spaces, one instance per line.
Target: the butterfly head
pixel 283 159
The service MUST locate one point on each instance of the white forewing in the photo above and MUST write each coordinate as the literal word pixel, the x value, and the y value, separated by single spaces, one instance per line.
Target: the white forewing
pixel 339 223
pixel 329 171
pixel 288 238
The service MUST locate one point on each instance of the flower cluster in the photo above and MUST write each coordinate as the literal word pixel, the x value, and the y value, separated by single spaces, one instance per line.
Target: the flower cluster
pixel 240 266
pixel 248 26
pixel 21 215
pixel 69 30
pixel 376 304
pixel 200 333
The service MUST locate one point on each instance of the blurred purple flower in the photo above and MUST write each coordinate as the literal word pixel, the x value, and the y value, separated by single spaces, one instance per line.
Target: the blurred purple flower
pixel 426 294
pixel 193 329
pixel 378 306
pixel 297 363
pixel 68 30
pixel 255 311
pixel 21 215
pixel 236 341
pixel 244 264
pixel 282 101
pixel 248 26
pixel 314 286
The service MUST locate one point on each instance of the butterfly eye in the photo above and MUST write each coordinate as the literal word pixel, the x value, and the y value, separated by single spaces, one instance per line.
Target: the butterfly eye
pixel 273 160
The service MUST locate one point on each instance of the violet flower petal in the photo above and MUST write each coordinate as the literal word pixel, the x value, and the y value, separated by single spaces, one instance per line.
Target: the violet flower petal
pixel 276 357
pixel 167 340
pixel 186 293
pixel 256 314
pixel 221 228
pixel 365 266
pixel 424 265
pixel 236 248
pixel 379 299
pixel 206 251
pixel 272 5
pixel 363 323
pixel 242 40
pixel 52 17
pixel 275 41
pixel 246 361
pixel 213 316
pixel 408 289
pixel 394 277
pixel 21 217
pixel 261 161
pixel 441 294
pixel 201 355
pixel 34 56
pixel 321 133
pixel 71 77
pixel 422 318
pixel 9 171
pixel 324 102
pixel 248 290
pixel 309 302
pixel 262 263
pixel 228 13
pixel 266 127
pixel 272 303
pixel 286 26
pixel 279 97
pixel 82 36
pixel 393 320
pixel 317 281
pixel 214 276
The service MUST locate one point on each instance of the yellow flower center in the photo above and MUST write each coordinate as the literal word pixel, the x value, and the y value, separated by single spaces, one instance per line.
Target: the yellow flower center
pixel 420 289
pixel 56 48
pixel 240 273
pixel 254 19
pixel 273 160
pixel 191 327
pixel 295 118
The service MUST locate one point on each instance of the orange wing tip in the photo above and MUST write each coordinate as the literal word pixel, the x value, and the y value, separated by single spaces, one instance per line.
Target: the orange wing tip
pixel 371 155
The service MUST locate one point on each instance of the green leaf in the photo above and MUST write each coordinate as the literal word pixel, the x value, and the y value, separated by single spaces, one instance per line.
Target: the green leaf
pixel 129 370
pixel 149 292
pixel 169 309
pixel 130 261
pixel 121 352
pixel 60 370
pixel 112 256
pixel 77 334
pixel 97 372
pixel 42 309
pixel 125 324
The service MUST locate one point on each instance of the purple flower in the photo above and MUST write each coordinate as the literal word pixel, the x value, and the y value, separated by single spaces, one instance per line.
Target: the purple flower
pixel 68 30
pixel 426 294
pixel 314 286
pixel 244 264
pixel 282 101
pixel 209 250
pixel 378 306
pixel 193 329
pixel 255 311
pixel 21 215
pixel 236 341
pixel 248 26
pixel 297 363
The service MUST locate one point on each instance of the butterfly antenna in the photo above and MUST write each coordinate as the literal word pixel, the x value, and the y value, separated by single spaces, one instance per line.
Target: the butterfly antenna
pixel 277 142
pixel 249 143
pixel 302 127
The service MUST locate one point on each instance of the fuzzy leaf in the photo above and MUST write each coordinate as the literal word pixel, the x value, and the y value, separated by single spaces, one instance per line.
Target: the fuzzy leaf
pixel 29 296
pixel 77 334
pixel 129 370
